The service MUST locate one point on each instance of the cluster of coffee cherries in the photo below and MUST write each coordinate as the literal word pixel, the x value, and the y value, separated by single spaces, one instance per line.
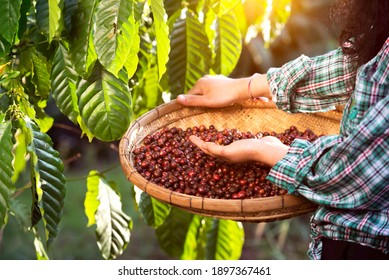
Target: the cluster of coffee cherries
pixel 168 158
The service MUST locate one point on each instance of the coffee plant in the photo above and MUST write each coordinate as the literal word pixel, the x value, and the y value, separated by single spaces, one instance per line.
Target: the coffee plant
pixel 104 63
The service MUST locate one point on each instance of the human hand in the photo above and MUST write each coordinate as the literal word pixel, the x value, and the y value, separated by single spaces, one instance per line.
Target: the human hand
pixel 221 91
pixel 213 91
pixel 268 150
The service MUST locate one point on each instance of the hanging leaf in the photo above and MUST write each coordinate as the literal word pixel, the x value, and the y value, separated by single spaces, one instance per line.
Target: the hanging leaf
pixel 54 18
pixel 132 61
pixel 147 94
pixel 40 74
pixel 171 234
pixel 154 211
pixel 115 29
pixel 6 170
pixel 172 6
pixel 146 89
pixel 69 9
pixel 222 7
pixel 275 20
pixel 195 241
pixel 63 83
pixel 21 213
pixel 225 240
pixel 190 54
pixel 19 154
pixel 40 250
pixel 152 91
pixel 104 208
pixel 44 121
pixel 104 102
pixel 10 14
pixel 162 35
pixel 5 49
pixel 48 14
pixel 81 46
pixel 228 44
pixel 48 186
pixel 24 13
pixel 209 26
pixel 91 202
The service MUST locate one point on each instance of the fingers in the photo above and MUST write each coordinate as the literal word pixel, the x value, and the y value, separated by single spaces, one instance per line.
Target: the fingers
pixel 209 148
pixel 192 100
pixel 199 143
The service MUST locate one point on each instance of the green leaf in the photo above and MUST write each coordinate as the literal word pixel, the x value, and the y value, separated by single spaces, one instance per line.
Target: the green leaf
pixel 21 213
pixel 162 35
pixel 48 187
pixel 105 103
pixel 225 240
pixel 10 14
pixel 41 74
pixel 45 122
pixel 222 7
pixel 40 250
pixel 190 55
pixel 54 18
pixel 228 44
pixel 113 225
pixel 209 26
pixel 146 88
pixel 69 8
pixel 48 15
pixel 24 14
pixel 151 88
pixel 148 93
pixel 193 246
pixel 19 153
pixel 63 83
pixel 6 170
pixel 115 29
pixel 131 64
pixel 171 234
pixel 172 6
pixel 276 20
pixel 5 49
pixel 91 202
pixel 81 46
pixel 154 211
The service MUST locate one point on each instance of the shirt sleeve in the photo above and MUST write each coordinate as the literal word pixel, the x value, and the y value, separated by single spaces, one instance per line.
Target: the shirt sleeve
pixel 312 84
pixel 348 173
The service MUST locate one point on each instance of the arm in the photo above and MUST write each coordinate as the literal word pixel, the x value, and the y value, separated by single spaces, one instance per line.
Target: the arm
pixel 312 84
pixel 350 173
pixel 221 91
pixel 304 84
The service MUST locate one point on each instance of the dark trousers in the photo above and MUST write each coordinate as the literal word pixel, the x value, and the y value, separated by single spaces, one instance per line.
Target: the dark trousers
pixel 343 250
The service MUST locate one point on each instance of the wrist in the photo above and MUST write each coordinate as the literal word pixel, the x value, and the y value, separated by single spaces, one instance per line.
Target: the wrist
pixel 270 152
pixel 257 86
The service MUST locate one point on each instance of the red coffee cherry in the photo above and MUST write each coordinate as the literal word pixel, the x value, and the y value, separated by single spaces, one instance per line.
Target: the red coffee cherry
pixel 169 159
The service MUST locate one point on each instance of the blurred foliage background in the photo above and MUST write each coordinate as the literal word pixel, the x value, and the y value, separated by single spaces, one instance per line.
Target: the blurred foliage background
pixel 308 31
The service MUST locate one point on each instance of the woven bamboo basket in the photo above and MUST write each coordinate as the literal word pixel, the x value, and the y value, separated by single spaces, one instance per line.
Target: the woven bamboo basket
pixel 251 116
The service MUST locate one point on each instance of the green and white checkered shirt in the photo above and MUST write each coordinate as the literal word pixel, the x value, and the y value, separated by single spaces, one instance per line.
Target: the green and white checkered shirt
pixel 347 175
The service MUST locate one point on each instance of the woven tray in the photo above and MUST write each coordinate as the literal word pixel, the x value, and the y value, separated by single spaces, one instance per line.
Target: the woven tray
pixel 251 116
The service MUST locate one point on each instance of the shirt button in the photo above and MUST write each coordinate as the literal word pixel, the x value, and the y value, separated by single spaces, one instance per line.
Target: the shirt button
pixel 353 113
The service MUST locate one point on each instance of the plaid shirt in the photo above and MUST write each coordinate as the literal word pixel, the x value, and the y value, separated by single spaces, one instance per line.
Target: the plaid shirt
pixel 347 175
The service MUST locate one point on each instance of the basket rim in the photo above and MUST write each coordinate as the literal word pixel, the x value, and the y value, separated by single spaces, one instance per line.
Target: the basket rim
pixel 237 209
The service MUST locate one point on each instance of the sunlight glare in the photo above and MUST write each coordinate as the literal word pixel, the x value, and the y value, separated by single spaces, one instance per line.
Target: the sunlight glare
pixel 266 24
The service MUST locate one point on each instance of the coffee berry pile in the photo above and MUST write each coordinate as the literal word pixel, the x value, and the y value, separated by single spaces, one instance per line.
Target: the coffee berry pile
pixel 168 158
